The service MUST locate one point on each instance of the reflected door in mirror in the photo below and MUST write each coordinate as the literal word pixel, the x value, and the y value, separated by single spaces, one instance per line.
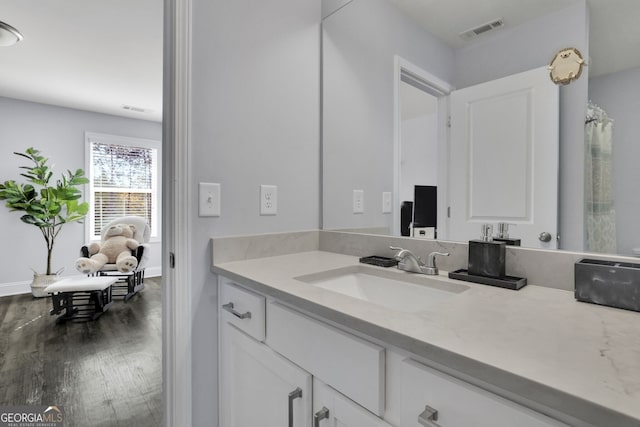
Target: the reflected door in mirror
pixel 504 157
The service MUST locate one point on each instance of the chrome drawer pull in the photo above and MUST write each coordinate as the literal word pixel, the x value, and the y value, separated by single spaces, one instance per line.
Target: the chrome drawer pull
pixel 320 415
pixel 428 416
pixel 293 396
pixel 229 308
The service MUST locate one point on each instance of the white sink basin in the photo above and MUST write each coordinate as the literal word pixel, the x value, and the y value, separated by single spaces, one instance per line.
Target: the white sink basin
pixel 406 292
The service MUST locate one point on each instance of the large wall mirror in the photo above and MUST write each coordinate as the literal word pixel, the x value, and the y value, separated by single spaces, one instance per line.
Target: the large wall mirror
pixel 400 76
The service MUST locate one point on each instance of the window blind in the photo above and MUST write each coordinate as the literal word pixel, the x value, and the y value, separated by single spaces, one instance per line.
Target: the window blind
pixel 122 180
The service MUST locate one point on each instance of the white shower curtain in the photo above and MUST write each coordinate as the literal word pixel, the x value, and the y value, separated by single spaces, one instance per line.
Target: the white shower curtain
pixel 599 197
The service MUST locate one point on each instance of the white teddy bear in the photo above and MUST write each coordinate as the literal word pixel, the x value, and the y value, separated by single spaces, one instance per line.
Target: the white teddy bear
pixel 115 249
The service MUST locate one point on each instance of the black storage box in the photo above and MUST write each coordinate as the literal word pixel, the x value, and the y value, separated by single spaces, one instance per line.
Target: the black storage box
pixel 611 283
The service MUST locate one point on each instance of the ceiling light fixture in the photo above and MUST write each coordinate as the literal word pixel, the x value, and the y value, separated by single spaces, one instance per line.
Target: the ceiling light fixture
pixel 9 35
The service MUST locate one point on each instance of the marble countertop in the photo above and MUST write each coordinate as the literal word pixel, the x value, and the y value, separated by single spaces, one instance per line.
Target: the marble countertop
pixel 538 343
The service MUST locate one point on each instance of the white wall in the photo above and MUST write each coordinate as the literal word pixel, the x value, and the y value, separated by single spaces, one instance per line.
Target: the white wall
pixel 359 46
pixel 59 133
pixel 255 120
pixel 619 94
pixel 419 158
pixel 418 140
pixel 529 46
pixel 331 6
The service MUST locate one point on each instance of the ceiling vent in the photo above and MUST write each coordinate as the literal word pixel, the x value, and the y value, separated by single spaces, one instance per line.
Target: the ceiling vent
pixel 481 29
pixel 136 109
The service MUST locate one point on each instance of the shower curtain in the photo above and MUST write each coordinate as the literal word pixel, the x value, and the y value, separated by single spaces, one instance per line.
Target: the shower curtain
pixel 599 197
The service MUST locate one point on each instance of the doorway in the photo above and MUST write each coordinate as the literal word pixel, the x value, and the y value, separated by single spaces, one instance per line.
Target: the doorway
pixel 420 135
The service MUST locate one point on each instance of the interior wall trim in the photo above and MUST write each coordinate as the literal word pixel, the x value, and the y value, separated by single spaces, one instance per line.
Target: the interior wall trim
pixel 176 209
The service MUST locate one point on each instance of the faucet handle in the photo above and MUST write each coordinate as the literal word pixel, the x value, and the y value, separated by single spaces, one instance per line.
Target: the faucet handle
pixel 406 253
pixel 431 261
pixel 397 255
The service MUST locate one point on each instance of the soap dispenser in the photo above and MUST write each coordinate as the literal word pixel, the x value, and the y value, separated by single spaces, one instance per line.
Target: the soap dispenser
pixel 486 256
pixel 503 235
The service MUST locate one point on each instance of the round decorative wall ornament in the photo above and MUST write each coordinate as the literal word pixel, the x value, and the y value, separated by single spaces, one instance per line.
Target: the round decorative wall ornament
pixel 566 66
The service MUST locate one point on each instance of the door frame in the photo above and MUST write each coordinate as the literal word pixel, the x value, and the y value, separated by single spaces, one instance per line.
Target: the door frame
pixel 176 212
pixel 431 84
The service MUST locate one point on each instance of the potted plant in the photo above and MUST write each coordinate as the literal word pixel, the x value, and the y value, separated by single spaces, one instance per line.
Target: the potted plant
pixel 49 207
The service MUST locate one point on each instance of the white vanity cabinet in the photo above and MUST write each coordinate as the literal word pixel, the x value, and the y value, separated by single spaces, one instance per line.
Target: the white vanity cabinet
pixel 258 387
pixel 332 409
pixel 271 384
pixel 431 398
pixel 280 367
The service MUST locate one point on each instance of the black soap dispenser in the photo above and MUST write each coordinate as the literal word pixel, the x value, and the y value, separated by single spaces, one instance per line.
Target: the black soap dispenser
pixel 487 257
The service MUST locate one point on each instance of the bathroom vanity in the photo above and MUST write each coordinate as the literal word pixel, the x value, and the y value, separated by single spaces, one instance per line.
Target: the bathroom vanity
pixel 295 351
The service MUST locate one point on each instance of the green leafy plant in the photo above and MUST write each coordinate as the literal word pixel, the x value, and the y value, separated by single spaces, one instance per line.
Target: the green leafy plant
pixel 46 206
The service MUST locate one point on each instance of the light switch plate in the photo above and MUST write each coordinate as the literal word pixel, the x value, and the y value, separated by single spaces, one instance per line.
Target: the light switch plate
pixel 358 201
pixel 208 199
pixel 386 202
pixel 268 199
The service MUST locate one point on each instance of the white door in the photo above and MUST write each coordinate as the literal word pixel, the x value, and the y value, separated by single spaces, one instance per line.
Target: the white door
pixel 258 386
pixel 504 158
pixel 332 409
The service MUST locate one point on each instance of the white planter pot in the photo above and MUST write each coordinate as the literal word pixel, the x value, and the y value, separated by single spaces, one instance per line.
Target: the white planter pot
pixel 41 281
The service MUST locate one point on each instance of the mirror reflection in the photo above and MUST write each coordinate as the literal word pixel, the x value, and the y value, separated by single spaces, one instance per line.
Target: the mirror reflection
pixel 393 71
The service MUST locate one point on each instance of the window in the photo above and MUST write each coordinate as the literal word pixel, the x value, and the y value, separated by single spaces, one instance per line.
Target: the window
pixel 123 174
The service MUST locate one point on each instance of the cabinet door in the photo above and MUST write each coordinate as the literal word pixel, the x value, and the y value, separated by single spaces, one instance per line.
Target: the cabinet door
pixel 458 404
pixel 332 409
pixel 259 387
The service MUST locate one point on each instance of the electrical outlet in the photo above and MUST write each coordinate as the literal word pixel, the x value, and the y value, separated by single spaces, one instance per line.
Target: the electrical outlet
pixel 268 199
pixel 386 202
pixel 358 201
pixel 208 199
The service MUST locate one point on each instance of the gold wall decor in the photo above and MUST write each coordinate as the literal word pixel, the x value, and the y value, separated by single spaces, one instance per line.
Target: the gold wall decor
pixel 566 66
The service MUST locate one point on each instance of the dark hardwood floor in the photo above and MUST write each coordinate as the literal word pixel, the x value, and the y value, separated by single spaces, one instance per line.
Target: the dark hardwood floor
pixel 106 372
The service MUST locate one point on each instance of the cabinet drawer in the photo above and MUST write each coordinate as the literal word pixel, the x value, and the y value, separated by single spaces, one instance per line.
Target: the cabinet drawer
pixel 337 410
pixel 242 308
pixel 459 404
pixel 351 365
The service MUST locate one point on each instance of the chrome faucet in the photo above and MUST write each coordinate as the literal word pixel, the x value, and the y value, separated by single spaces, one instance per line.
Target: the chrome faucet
pixel 407 261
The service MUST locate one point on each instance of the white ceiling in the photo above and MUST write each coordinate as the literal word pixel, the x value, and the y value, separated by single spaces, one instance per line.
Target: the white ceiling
pixel 101 55
pixel 85 54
